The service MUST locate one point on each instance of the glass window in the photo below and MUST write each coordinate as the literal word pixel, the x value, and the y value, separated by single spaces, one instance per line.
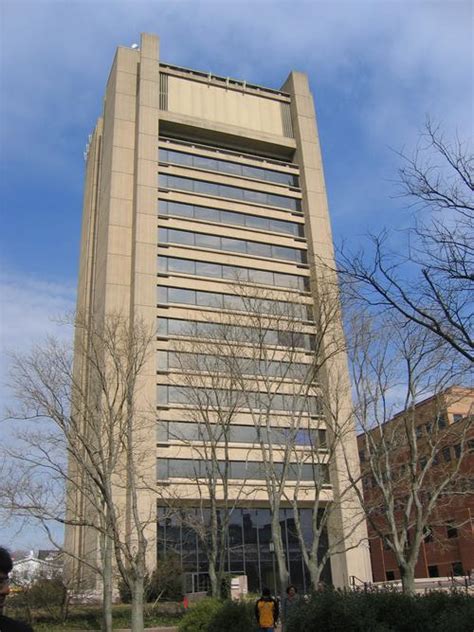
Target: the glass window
pixel 230 167
pixel 207 214
pixel 202 162
pixel 281 227
pixel 227 217
pixel 163 264
pixel 234 273
pixel 162 469
pixel 254 221
pixel 280 178
pixel 253 172
pixel 286 280
pixel 446 454
pixel 234 302
pixel 233 245
pixel 285 202
pixel 162 395
pixel 451 531
pixel 208 269
pixel 178 295
pixel 162 294
pixel 183 468
pixel 180 158
pixel 208 299
pixel 207 241
pixel 256 197
pixel 281 252
pixel 162 235
pixel 182 210
pixel 163 207
pixel 162 431
pixel 243 434
pixel 162 360
pixel 180 237
pixel 258 249
pixel 185 266
pixel 230 192
pixel 185 184
pixel 207 188
pixel 261 276
pixel 162 326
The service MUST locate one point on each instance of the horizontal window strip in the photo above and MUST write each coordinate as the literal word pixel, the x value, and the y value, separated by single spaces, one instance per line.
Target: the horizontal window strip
pixel 207 362
pixel 228 244
pixel 224 190
pixel 239 274
pixel 233 302
pixel 169 431
pixel 215 399
pixel 208 214
pixel 170 327
pixel 227 166
pixel 239 470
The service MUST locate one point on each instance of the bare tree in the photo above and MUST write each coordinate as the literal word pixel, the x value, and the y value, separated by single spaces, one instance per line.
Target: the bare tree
pixel 429 282
pixel 205 382
pixel 76 462
pixel 264 365
pixel 409 480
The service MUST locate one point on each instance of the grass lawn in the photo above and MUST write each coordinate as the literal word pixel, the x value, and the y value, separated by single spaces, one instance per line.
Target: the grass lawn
pixel 89 618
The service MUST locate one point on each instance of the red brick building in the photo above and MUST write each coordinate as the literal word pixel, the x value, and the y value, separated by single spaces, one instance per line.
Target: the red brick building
pixel 448 545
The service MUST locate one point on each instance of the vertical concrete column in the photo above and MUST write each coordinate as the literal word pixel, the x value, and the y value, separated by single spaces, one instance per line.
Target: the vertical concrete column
pixel 354 561
pixel 144 269
pixel 74 536
pixel 115 217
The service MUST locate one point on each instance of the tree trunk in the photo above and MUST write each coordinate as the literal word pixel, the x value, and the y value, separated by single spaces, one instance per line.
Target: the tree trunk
pixel 215 588
pixel 107 585
pixel 138 591
pixel 407 574
pixel 315 570
pixel 279 554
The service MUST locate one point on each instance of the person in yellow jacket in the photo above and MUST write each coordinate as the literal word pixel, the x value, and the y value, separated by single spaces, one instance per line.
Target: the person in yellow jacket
pixel 267 611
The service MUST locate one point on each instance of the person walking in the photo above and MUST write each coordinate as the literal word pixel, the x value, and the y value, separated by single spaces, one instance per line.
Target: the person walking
pixel 267 611
pixel 289 603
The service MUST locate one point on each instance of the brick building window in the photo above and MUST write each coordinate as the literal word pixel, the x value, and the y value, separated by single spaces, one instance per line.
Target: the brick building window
pixel 451 531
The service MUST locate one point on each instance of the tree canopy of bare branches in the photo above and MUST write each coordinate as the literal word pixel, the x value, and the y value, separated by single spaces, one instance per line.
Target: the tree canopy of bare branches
pixel 410 483
pixel 263 367
pixel 77 453
pixel 430 279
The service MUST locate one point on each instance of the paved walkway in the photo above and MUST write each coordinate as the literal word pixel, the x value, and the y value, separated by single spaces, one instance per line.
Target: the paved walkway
pixel 168 629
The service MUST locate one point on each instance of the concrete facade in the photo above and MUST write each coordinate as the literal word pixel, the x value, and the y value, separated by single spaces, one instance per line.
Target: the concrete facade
pixel 268 142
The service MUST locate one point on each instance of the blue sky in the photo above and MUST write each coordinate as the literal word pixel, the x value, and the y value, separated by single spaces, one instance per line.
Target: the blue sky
pixel 376 70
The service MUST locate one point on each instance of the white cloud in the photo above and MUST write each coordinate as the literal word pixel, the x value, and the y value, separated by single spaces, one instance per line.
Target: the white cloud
pixel 30 309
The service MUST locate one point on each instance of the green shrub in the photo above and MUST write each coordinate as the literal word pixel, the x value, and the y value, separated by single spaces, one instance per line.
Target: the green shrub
pixel 199 615
pixel 234 616
pixel 165 583
pixel 336 611
pixel 47 595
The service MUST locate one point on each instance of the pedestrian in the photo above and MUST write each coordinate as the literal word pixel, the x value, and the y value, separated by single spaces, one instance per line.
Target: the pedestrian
pixel 267 611
pixel 7 624
pixel 289 603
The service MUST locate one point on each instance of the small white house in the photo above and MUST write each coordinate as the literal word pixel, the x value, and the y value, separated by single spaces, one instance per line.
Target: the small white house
pixel 26 570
